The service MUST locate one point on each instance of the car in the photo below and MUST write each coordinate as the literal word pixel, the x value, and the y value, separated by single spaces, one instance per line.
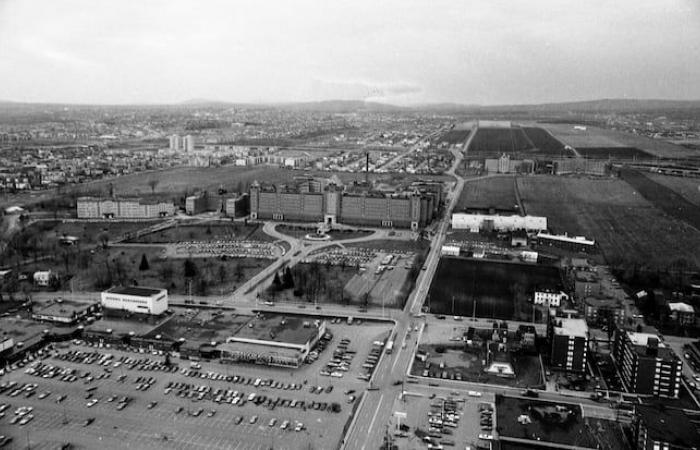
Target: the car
pixel 44 394
pixel 474 393
pixel 238 420
pixel 152 404
pixel 60 398
pixel 253 419
pixel 121 406
pixel 88 421
pixel 485 436
pixel 284 425
pixel 298 427
pixel 92 403
pixel 329 389
pixel 272 422
pixel 530 393
pixel 26 419
pixel 211 413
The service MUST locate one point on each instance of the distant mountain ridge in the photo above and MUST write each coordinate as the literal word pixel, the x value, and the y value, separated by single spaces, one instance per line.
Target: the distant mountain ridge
pixel 338 106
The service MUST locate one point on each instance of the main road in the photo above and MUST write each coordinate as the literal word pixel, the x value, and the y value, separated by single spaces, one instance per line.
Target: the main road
pixel 372 418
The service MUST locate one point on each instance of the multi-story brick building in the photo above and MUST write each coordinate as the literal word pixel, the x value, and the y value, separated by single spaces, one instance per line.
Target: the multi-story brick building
pixel 646 364
pixel 569 342
pixel 96 208
pixel 309 202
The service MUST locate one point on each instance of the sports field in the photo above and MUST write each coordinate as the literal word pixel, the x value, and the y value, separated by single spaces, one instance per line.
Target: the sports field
pixel 493 192
pixel 627 227
pixel 501 290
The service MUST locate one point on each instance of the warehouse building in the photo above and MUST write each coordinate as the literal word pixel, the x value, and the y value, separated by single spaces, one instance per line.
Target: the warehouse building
pixel 476 222
pixel 136 299
pixel 569 340
pixel 574 244
pixel 646 364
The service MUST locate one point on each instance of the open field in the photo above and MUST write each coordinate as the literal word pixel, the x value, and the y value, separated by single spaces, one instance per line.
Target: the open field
pixel 565 425
pixel 689 188
pixel 187 179
pixel 494 192
pixel 626 227
pixel 455 136
pixel 624 153
pixel 664 198
pixel 41 238
pixel 494 141
pixel 600 137
pixel 544 142
pixel 212 231
pixel 500 290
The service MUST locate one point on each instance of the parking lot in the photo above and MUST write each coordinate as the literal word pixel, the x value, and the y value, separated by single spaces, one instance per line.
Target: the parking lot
pixel 438 418
pixel 207 404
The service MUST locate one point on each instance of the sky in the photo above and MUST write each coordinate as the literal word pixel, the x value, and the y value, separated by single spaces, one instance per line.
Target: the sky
pixel 403 52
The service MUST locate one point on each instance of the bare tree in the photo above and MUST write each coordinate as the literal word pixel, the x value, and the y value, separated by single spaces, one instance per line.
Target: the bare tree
pixel 153 183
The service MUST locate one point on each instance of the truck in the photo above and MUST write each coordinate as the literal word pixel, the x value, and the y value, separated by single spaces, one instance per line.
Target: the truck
pixel 389 347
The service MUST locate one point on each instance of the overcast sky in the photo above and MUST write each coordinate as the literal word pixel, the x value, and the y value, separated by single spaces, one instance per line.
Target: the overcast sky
pixel 403 52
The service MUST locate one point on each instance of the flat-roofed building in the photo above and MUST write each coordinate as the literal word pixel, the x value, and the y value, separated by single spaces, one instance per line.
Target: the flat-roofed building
pixel 136 299
pixel 569 341
pixel 646 364
pixel 97 208
pixel 63 311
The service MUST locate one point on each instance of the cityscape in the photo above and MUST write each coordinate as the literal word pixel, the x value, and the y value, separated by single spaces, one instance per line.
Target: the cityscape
pixel 345 254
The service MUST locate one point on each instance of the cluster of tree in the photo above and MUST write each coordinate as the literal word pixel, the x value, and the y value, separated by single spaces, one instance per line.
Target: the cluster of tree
pixel 313 282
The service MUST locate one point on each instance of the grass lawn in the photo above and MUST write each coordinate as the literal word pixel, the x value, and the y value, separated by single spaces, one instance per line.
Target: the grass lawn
pixel 689 188
pixel 391 245
pixel 120 265
pixel 299 232
pixel 626 227
pixel 494 192
pixel 327 287
pixel 213 231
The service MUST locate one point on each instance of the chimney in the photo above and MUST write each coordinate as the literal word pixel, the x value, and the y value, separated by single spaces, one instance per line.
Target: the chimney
pixel 652 346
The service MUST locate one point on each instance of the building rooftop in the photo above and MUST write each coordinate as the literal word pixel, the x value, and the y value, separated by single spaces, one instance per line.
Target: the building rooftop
pixel 249 347
pixel 571 327
pixel 669 425
pixel 642 339
pixel 60 308
pixel 136 291
pixel 120 322
pixel 279 328
pixel 199 327
pixel 681 307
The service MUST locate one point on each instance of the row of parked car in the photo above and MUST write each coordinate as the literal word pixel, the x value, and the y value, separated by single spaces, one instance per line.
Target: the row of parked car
pixel 340 363
pixel 239 398
pixel 108 361
pixel 239 379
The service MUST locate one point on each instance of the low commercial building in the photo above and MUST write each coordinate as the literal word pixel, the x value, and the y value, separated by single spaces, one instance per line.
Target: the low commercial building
pixel 43 278
pixel 569 341
pixel 646 364
pixel 273 340
pixel 658 428
pixel 136 299
pixel 62 311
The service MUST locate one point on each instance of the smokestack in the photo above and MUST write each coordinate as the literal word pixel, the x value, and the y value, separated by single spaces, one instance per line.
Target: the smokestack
pixel 367 168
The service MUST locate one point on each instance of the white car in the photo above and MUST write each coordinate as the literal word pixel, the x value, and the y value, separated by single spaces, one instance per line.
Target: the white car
pixel 92 403
pixel 485 436
pixel 474 393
